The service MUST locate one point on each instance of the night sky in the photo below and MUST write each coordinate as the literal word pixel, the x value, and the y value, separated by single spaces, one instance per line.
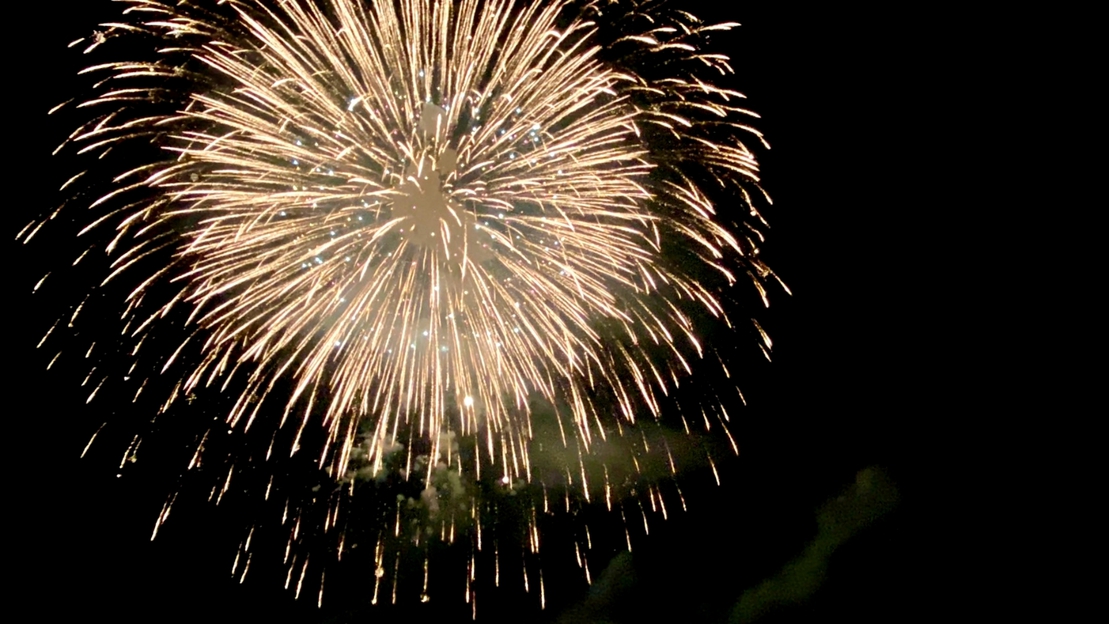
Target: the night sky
pixel 844 391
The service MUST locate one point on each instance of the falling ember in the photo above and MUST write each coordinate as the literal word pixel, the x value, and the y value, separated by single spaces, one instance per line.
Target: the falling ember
pixel 426 260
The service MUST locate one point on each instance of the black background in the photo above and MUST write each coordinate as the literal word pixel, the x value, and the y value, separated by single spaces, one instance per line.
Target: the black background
pixel 850 385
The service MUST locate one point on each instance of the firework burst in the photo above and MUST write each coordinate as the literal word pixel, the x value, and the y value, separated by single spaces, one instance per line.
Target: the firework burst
pixel 426 244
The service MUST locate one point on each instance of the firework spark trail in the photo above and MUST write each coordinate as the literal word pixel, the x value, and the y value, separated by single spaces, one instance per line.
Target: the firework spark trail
pixel 417 215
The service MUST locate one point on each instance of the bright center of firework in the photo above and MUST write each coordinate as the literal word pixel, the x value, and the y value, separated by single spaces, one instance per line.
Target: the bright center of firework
pixel 425 207
pixel 431 219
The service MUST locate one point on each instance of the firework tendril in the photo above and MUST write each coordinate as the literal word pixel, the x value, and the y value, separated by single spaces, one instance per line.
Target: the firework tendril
pixel 417 241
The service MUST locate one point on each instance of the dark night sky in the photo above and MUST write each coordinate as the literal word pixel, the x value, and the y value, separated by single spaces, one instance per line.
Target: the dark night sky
pixel 846 390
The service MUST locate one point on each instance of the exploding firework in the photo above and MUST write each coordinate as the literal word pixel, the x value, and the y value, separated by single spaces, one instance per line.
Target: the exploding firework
pixel 431 255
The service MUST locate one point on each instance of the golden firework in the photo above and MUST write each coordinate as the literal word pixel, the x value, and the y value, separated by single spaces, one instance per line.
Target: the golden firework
pixel 410 220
